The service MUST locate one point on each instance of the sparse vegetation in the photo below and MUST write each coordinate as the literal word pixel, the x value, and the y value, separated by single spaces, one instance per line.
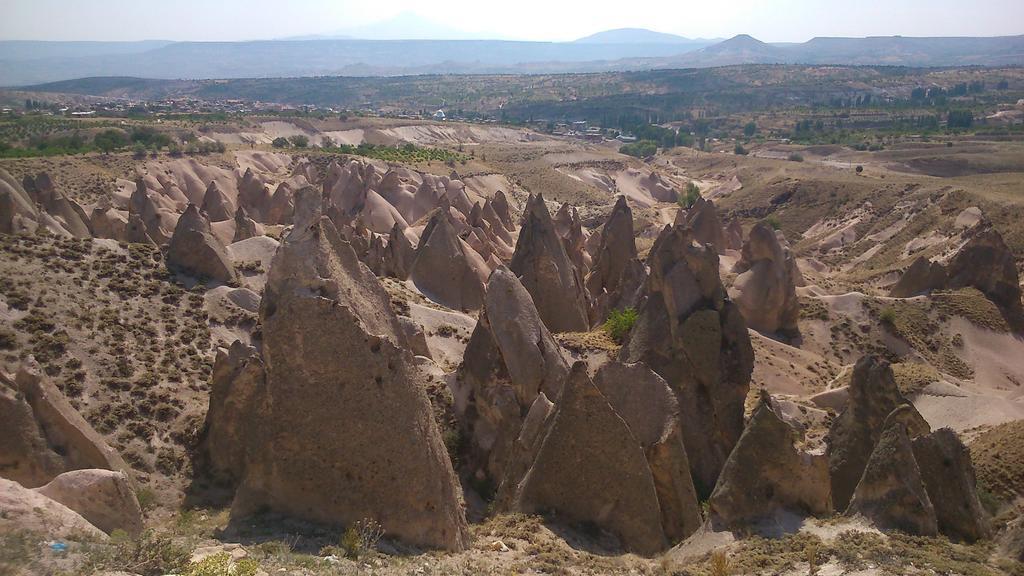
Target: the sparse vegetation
pixel 619 323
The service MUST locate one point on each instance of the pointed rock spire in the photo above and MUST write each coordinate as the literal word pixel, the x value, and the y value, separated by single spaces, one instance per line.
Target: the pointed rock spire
pixel 194 249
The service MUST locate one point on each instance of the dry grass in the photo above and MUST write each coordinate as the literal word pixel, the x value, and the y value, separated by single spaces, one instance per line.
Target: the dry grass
pixel 998 457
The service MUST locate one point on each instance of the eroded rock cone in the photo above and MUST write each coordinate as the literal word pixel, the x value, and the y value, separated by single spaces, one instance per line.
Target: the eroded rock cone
pixel 398 255
pixel 511 358
pixel 694 337
pixel 237 404
pixel 69 214
pixel 851 439
pixel 18 213
pixel 766 473
pixel 42 435
pixel 765 289
pixel 948 476
pixel 734 235
pixel 103 497
pixel 245 227
pixel 591 468
pixel 891 492
pixel 446 269
pixel 617 249
pixel 707 226
pixel 922 277
pixel 194 249
pixel 253 195
pixel 349 432
pixel 216 204
pixel 986 263
pixel 570 230
pixel 547 273
pixel 649 407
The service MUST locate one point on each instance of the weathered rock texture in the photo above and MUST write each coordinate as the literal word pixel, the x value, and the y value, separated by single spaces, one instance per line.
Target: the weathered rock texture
pixel 196 251
pixel 541 262
pixel 511 358
pixel 693 336
pixel 447 270
pixel 948 476
pixel 765 289
pixel 851 439
pixel 103 497
pixel 348 432
pixel 28 510
pixel 986 263
pixel 766 473
pixel 591 468
pixel 237 405
pixel 41 435
pixel 616 274
pixel 922 277
pixel 703 218
pixel 891 492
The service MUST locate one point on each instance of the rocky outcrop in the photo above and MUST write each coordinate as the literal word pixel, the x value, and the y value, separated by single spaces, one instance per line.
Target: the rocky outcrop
pixel 195 251
pixel 398 255
pixel 693 336
pixel 891 492
pixel 26 510
pixel 649 408
pixel 544 267
pixel 591 468
pixel 18 213
pixel 703 218
pixel 237 403
pixel 446 269
pixel 766 473
pixel 765 288
pixel 948 476
pixel 42 435
pixel 922 277
pixel 70 216
pixel 245 227
pixel 617 250
pixel 216 204
pixel 851 439
pixel 986 263
pixel 734 235
pixel 570 229
pixel 511 358
pixel 103 497
pixel 348 424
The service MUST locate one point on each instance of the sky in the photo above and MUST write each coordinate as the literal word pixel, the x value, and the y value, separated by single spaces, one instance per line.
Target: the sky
pixel 551 20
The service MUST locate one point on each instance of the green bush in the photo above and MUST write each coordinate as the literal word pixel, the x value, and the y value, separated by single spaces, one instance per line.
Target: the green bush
pixel 640 148
pixel 688 197
pixel 299 141
pixel 739 150
pixel 888 316
pixel 220 564
pixel 361 537
pixel 619 323
pixel 794 157
pixel 280 142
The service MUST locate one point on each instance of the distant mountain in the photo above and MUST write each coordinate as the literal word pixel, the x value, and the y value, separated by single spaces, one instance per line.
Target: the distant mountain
pixel 638 36
pixel 298 58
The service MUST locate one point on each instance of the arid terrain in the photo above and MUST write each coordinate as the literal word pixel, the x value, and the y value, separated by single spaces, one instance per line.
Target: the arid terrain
pixel 289 344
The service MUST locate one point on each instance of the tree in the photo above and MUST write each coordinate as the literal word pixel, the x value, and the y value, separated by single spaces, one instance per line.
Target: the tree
pixel 110 140
pixel 299 141
pixel 750 129
pixel 739 150
pixel 687 198
pixel 139 150
pixel 280 142
pixel 960 119
pixel 327 142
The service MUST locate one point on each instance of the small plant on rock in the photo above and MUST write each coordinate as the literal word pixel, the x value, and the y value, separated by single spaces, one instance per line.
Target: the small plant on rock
pixel 619 323
pixel 361 537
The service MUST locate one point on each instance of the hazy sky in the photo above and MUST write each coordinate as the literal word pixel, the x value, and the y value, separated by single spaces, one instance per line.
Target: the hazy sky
pixel 774 21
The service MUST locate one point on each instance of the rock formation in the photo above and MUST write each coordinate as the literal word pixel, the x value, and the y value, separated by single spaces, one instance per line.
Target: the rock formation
pixel 194 249
pixel 693 336
pixel 734 235
pixel 245 227
pixel 851 439
pixel 703 218
pixel 103 497
pixel 765 289
pixel 348 423
pixel 766 473
pixel 18 213
pixel 614 256
pixel 28 510
pixel 511 358
pixel 446 269
pixel 68 213
pixel 591 468
pixel 649 408
pixel 922 277
pixel 398 255
pixel 948 476
pixel 548 274
pixel 216 205
pixel 41 435
pixel 237 398
pixel 986 263
pixel 891 492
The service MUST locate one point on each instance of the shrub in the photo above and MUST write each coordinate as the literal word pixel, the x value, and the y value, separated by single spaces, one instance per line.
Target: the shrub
pixel 720 565
pixel 299 141
pixel 888 316
pixel 859 169
pixel 280 142
pixel 619 323
pixel 147 555
pixel 361 537
pixel 794 157
pixel 739 150
pixel 220 564
pixel 689 196
pixel 640 148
